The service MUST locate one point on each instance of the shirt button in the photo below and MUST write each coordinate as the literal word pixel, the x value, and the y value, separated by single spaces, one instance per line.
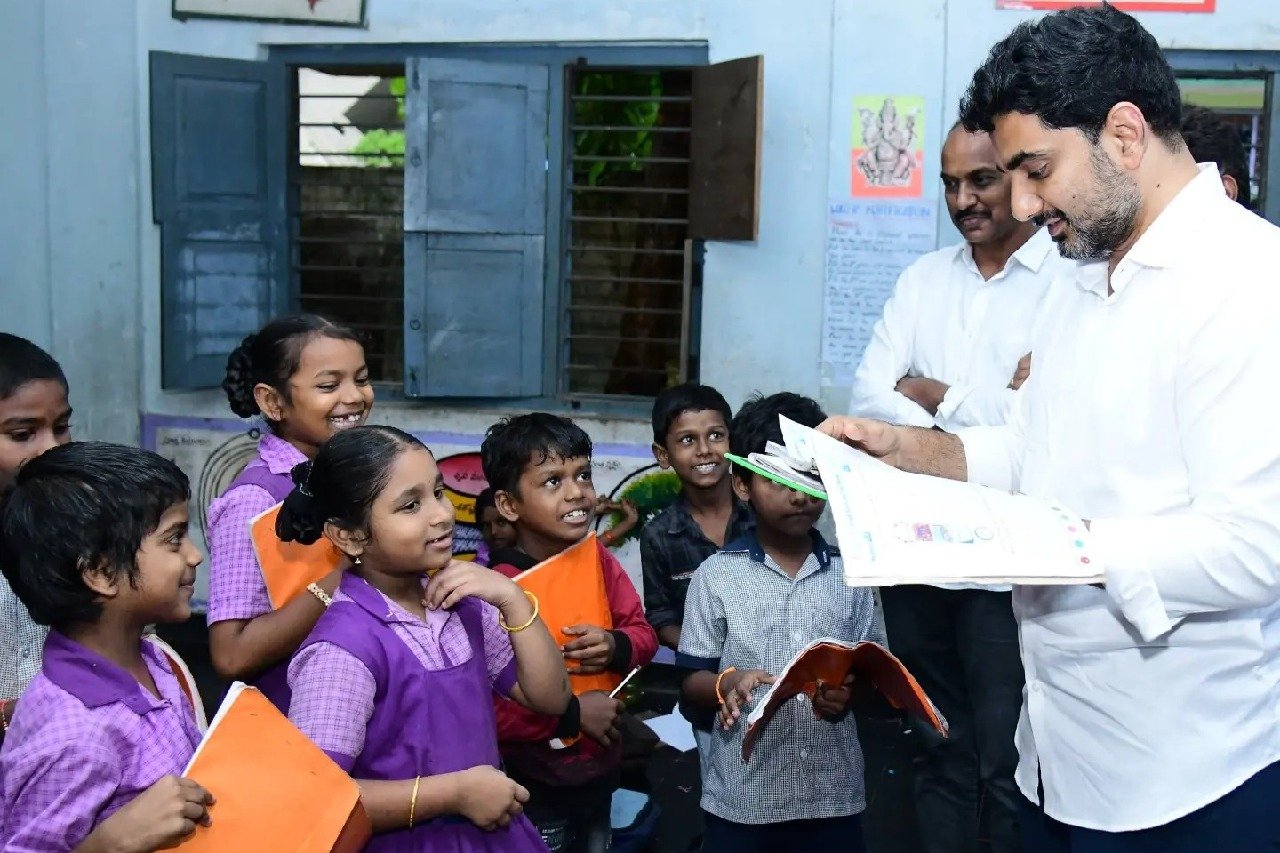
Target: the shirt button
pixel 1035 687
pixel 804 753
pixel 797 636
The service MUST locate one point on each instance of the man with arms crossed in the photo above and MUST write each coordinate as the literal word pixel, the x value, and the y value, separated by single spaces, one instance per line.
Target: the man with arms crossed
pixel 1151 718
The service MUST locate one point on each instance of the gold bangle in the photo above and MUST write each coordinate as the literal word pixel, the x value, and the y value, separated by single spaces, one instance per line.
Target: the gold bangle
pixel 413 799
pixel 321 596
pixel 720 678
pixel 534 618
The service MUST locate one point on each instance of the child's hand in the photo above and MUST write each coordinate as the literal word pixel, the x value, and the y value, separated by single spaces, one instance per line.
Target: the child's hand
pixel 460 579
pixel 598 714
pixel 592 650
pixel 157 819
pixel 488 797
pixel 736 688
pixel 832 703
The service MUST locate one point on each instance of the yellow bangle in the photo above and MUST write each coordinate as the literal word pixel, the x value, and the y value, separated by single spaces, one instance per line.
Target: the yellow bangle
pixel 534 618
pixel 413 799
pixel 720 678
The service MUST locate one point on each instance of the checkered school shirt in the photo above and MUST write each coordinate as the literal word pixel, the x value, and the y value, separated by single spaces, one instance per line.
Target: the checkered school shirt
pixel 20 642
pixel 236 587
pixel 333 692
pixel 744 611
pixel 86 739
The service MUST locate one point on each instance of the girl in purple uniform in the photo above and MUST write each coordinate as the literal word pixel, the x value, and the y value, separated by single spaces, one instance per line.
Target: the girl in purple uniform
pixel 395 681
pixel 307 379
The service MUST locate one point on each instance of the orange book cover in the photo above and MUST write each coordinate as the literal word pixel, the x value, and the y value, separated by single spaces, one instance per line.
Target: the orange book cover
pixel 274 790
pixel 288 567
pixel 830 661
pixel 570 591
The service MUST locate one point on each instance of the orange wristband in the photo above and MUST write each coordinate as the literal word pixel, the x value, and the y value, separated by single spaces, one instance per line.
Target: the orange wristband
pixel 720 678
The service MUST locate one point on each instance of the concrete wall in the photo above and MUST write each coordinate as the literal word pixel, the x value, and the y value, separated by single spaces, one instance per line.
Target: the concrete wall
pixel 79 254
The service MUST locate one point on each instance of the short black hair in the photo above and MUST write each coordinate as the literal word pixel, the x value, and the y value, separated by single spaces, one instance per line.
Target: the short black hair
pixel 21 362
pixel 1213 140
pixel 514 443
pixel 756 423
pixel 673 402
pixel 342 482
pixel 272 355
pixel 81 505
pixel 1070 68
pixel 485 500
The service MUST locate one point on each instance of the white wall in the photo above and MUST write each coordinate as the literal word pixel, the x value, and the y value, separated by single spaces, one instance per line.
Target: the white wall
pixel 79 268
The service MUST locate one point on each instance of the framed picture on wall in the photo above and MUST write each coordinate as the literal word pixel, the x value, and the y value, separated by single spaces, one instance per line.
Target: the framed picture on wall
pixel 1123 5
pixel 341 13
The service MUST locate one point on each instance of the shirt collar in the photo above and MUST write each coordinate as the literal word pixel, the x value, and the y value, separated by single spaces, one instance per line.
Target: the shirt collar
pixel 281 456
pixel 682 520
pixel 1031 255
pixel 93 679
pixel 750 544
pixel 382 608
pixel 1175 228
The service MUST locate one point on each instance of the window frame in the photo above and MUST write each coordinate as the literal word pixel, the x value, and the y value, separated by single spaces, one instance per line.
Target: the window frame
pixel 558 57
pixel 1244 63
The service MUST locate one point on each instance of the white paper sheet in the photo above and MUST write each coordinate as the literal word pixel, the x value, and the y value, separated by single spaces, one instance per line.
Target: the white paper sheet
pixel 673 730
pixel 898 528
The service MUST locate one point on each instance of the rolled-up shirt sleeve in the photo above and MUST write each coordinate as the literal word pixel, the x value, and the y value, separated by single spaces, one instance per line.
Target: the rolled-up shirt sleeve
pixel 970 405
pixel 1222 550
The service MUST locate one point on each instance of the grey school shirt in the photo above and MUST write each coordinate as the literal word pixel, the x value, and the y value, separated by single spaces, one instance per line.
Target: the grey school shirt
pixel 21 644
pixel 744 611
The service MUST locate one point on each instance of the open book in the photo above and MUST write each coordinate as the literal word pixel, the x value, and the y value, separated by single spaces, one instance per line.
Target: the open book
pixel 900 528
pixel 779 465
pixel 831 661
pixel 274 789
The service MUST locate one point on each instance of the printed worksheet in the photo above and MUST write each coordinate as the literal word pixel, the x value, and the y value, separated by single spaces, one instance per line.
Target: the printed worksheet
pixel 899 528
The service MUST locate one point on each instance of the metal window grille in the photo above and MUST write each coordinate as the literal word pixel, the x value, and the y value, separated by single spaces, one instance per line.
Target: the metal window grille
pixel 347 194
pixel 625 316
pixel 1242 102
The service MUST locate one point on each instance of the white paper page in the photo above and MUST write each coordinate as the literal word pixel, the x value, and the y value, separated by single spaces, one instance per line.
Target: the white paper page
pixel 898 528
pixel 673 730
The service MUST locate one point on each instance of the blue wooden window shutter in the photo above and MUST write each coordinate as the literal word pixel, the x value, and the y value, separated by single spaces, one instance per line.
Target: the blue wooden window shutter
pixel 218 160
pixel 475 224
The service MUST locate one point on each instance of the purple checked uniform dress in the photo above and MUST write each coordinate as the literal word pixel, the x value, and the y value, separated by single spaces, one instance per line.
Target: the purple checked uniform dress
pixel 87 739
pixel 236 587
pixel 390 696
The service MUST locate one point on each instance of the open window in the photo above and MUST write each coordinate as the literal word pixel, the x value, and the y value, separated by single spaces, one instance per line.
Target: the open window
pixel 503 230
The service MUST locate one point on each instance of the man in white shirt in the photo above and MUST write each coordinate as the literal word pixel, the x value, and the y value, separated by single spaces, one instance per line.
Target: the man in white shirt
pixel 1152 712
pixel 945 354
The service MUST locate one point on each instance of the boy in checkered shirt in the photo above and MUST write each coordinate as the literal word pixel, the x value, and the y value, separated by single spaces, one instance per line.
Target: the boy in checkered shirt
pixel 750 609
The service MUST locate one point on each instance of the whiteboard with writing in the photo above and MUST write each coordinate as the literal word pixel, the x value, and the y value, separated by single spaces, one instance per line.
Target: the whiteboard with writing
pixel 869 243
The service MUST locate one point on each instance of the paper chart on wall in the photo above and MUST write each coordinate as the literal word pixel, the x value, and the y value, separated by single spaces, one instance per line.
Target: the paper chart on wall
pixel 869 244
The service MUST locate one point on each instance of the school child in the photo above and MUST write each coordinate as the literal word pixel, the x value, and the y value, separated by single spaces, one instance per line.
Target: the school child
pixel 690 437
pixel 308 380
pixel 93 539
pixel 751 608
pixel 495 531
pixel 540 468
pixel 395 682
pixel 34 416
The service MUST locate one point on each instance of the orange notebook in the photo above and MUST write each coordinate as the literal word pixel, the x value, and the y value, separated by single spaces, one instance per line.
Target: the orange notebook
pixel 829 661
pixel 288 567
pixel 274 789
pixel 570 591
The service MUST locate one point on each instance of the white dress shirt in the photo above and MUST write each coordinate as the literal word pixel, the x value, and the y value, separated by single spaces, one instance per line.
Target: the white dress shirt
pixel 1153 411
pixel 946 322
